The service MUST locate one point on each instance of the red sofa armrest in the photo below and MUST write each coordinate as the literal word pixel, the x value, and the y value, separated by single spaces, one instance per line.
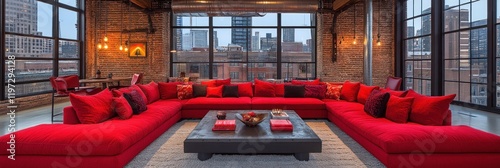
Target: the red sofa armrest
pixel 69 116
pixel 447 119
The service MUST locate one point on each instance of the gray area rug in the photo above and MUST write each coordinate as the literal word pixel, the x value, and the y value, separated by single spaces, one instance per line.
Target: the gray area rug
pixel 339 150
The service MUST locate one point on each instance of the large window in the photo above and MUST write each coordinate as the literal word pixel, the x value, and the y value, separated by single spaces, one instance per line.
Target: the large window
pixel 465 50
pixel 42 46
pixel 244 48
pixel 417 46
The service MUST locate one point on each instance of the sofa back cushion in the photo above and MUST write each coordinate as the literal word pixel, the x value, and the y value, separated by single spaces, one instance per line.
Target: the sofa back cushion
pixel 199 90
pixel 215 91
pixel 119 92
pixel 349 91
pixel 209 83
pixel 395 93
pixel 399 108
pixel 223 82
pixel 376 103
pixel 151 91
pixel 364 92
pixel 295 90
pixel 168 90
pixel 122 107
pixel 245 89
pixel 136 102
pixel 264 89
pixel 305 82
pixel 94 108
pixel 230 91
pixel 315 91
pixel 333 91
pixel 429 110
pixel 184 92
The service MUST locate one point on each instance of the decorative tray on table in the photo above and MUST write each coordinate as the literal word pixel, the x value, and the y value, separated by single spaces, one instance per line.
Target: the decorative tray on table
pixel 278 114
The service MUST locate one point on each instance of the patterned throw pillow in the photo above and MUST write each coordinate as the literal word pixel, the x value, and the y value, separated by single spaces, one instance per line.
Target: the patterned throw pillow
pixel 376 103
pixel 315 91
pixel 184 91
pixel 136 102
pixel 333 91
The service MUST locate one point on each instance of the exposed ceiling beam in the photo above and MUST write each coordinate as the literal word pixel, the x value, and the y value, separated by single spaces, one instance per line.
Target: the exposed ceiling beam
pixel 337 4
pixel 146 4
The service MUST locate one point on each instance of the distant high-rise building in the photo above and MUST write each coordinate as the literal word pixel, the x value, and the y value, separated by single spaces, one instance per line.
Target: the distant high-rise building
pixel 216 40
pixel 268 43
pixel 288 35
pixel 187 43
pixel 195 39
pixel 241 36
pixel 178 32
pixel 309 45
pixel 256 42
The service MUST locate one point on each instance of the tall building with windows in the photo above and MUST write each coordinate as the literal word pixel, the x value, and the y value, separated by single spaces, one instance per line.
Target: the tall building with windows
pixel 242 36
pixel 178 39
pixel 256 42
pixel 288 35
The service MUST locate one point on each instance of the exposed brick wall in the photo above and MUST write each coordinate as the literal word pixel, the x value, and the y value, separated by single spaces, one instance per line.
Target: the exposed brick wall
pixel 349 65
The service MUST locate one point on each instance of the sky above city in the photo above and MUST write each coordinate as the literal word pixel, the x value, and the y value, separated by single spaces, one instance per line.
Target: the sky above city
pixel 67 20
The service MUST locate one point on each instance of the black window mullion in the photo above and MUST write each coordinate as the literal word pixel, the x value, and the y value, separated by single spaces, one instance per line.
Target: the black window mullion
pixel 210 48
pixel 278 47
pixel 80 39
pixel 3 51
pixel 55 34
pixel 491 99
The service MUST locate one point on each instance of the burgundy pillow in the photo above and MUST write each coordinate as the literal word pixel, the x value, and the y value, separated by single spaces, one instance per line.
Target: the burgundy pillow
pixel 245 89
pixel 295 90
pixel 333 91
pixel 349 91
pixel 315 91
pixel 305 82
pixel 151 91
pixel 264 89
pixel 136 102
pixel 168 90
pixel 119 92
pixel 364 92
pixel 184 91
pixel 199 90
pixel 230 91
pixel 94 108
pixel 223 82
pixel 429 110
pixel 209 83
pixel 399 108
pixel 376 103
pixel 215 91
pixel 122 107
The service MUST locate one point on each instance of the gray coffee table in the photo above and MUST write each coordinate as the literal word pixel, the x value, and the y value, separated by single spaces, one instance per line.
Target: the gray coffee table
pixel 252 140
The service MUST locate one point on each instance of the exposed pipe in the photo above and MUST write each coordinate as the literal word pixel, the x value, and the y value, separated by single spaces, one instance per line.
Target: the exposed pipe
pixel 242 7
pixel 368 44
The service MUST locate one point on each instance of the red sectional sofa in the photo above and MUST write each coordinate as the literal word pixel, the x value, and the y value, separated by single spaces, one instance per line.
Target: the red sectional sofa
pixel 113 143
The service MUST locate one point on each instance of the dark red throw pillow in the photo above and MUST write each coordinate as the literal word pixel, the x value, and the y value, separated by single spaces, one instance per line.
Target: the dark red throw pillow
pixel 305 82
pixel 264 89
pixel 364 92
pixel 245 89
pixel 136 102
pixel 349 91
pixel 230 91
pixel 168 90
pixel 215 91
pixel 94 108
pixel 315 91
pixel 295 90
pixel 199 90
pixel 151 91
pixel 122 107
pixel 223 82
pixel 429 110
pixel 399 108
pixel 376 103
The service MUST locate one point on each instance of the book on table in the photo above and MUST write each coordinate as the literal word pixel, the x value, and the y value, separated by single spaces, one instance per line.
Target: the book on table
pixel 281 125
pixel 224 125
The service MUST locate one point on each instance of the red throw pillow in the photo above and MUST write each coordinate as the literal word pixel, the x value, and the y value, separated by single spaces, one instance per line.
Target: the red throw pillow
pixel 395 93
pixel 245 89
pixel 399 108
pixel 315 91
pixel 429 110
pixel 122 107
pixel 94 108
pixel 119 92
pixel 333 91
pixel 184 91
pixel 151 91
pixel 349 91
pixel 264 89
pixel 376 104
pixel 305 82
pixel 279 90
pixel 214 91
pixel 209 83
pixel 364 92
pixel 168 90
pixel 223 82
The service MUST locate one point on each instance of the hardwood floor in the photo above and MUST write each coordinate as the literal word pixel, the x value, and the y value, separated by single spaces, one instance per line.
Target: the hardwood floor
pixel 481 120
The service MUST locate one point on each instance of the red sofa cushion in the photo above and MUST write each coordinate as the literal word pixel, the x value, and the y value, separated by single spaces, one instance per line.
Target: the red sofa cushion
pixel 305 82
pixel 263 103
pixel 122 107
pixel 226 103
pixel 315 91
pixel 215 91
pixel 398 108
pixel 109 138
pixel 209 83
pixel 94 108
pixel 151 91
pixel 264 89
pixel 279 89
pixel 349 91
pixel 119 92
pixel 245 89
pixel 223 82
pixel 395 93
pixel 364 92
pixel 429 110
pixel 168 90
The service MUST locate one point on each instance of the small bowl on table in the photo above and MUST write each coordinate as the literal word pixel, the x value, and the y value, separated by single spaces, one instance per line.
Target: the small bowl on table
pixel 253 121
